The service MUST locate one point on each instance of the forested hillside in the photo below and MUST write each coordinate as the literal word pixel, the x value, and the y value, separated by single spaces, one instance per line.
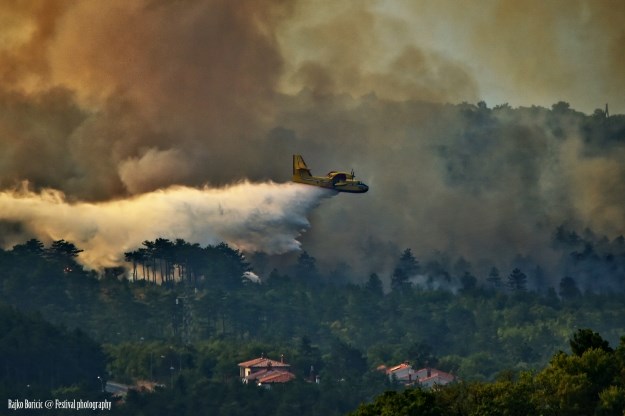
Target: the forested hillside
pixel 589 381
pixel 37 358
pixel 190 319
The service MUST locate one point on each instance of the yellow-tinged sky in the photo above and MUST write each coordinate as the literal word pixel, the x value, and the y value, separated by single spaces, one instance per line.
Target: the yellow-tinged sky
pixel 524 53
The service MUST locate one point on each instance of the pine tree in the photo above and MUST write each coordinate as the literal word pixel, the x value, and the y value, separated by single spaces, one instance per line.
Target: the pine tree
pixel 407 267
pixel 493 278
pixel 517 280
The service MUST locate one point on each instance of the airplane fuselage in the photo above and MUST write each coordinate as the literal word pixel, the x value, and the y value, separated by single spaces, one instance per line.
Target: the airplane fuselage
pixel 337 181
pixel 352 186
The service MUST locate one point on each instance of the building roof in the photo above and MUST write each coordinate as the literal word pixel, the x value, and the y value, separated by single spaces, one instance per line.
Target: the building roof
pixel 399 367
pixel 427 376
pixel 258 374
pixel 263 362
pixel 438 375
pixel 277 376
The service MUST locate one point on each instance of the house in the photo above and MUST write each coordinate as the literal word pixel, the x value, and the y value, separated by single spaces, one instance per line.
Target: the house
pixel 265 371
pixel 426 377
pixel 402 373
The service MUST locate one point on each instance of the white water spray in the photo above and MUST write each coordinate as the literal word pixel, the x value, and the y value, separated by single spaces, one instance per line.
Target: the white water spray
pixel 266 217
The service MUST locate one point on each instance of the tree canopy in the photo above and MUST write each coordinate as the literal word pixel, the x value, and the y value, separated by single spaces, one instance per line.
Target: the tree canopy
pixel 184 317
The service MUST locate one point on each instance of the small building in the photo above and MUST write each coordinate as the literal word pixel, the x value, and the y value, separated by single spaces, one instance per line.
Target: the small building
pixel 267 377
pixel 265 371
pixel 402 373
pixel 426 377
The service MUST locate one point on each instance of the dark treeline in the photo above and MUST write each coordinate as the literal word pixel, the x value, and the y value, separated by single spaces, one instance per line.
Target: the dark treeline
pixel 194 329
pixel 166 261
pixel 587 263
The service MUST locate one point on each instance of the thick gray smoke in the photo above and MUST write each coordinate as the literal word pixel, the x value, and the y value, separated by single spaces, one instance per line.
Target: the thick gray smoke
pixel 487 185
pixel 108 102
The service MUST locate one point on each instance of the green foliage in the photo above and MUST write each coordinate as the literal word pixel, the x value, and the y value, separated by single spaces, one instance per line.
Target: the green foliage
pixel 590 383
pixel 420 355
pixel 37 356
pixel 517 281
pixel 585 339
pixel 494 279
pixel 344 362
pixel 306 267
pixel 568 288
pixel 611 401
pixel 406 267
pixel 374 285
pixel 407 403
pixel 203 320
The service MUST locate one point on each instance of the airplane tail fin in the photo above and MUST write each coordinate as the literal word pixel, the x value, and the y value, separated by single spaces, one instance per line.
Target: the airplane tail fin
pixel 299 166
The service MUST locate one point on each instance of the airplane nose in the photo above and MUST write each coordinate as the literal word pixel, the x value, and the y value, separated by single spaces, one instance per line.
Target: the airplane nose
pixel 365 188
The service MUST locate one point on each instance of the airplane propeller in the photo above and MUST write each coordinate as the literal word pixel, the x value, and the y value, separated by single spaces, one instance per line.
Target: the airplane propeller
pixel 353 174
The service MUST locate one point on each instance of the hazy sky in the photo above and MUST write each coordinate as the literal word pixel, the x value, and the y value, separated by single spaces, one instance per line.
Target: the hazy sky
pixel 523 53
pixel 108 102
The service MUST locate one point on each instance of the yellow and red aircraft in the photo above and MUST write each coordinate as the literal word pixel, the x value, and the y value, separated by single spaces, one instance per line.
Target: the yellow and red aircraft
pixel 338 181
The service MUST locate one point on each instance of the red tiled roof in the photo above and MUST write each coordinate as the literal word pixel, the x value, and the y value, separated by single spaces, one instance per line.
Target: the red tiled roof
pixel 397 368
pixel 276 377
pixel 258 374
pixel 263 362
pixel 437 374
pixel 423 375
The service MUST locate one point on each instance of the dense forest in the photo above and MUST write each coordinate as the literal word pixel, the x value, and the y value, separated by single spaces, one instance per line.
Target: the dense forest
pixel 184 316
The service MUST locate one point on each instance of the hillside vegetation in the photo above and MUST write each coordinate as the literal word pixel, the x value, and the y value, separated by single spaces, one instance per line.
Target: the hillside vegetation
pixel 194 327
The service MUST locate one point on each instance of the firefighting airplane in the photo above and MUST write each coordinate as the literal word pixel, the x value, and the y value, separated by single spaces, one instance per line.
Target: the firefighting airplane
pixel 338 181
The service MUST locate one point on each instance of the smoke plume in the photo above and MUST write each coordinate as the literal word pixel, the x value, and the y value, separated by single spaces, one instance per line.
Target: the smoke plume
pixel 116 105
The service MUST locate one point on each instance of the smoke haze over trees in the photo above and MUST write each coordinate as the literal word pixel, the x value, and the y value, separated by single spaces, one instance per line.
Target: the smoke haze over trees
pixel 109 102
